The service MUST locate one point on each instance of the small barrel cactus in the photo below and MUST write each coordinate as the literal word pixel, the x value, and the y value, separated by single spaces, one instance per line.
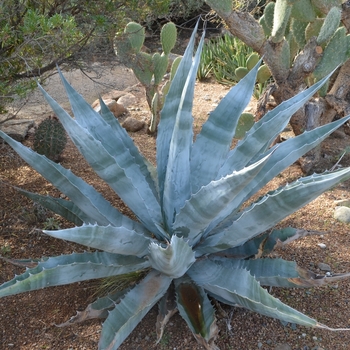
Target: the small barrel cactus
pixel 50 138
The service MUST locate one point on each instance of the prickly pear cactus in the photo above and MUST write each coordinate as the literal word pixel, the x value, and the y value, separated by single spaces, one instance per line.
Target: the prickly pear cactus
pixel 50 138
pixel 291 24
pixel 148 69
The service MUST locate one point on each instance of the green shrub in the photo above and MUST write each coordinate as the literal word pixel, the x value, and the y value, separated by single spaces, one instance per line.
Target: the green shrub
pixel 195 236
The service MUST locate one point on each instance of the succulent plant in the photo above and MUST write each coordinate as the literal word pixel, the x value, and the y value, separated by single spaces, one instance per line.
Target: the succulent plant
pixel 50 138
pixel 295 22
pixel 148 69
pixel 195 236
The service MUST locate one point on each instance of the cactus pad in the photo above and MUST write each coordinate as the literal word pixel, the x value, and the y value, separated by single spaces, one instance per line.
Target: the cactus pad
pixel 168 37
pixel 330 25
pixel 280 20
pixel 263 74
pixel 136 35
pixel 252 60
pixel 241 72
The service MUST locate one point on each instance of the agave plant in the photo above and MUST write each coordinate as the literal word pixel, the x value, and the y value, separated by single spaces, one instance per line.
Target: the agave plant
pixel 196 236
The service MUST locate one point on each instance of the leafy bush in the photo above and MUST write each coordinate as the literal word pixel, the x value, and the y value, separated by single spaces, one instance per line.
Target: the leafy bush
pixel 196 236
pixel 37 35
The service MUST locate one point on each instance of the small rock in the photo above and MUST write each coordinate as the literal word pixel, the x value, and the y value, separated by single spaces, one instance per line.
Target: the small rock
pixel 116 108
pixel 17 128
pixel 342 214
pixel 133 125
pixel 322 245
pixel 127 100
pixel 283 347
pixel 324 267
pixel 260 345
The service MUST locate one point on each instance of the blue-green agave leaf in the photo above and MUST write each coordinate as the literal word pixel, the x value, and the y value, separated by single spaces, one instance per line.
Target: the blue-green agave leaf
pixel 83 195
pixel 196 309
pixel 238 286
pixel 266 243
pixel 214 141
pixel 119 172
pixel 98 309
pixel 177 187
pixel 269 210
pixel 117 240
pixel 76 267
pixel 132 308
pixel 146 167
pixel 283 155
pixel 166 309
pixel 113 137
pixel 278 272
pixel 169 111
pixel 265 131
pixel 210 200
pixel 287 152
pixel 172 260
pixel 66 209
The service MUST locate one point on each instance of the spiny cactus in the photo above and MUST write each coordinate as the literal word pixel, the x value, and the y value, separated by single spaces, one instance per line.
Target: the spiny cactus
pixel 50 138
pixel 298 21
pixel 301 41
pixel 148 69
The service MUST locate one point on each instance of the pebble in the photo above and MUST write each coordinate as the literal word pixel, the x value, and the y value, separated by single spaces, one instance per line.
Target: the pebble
pixel 342 214
pixel 324 267
pixel 283 347
pixel 322 245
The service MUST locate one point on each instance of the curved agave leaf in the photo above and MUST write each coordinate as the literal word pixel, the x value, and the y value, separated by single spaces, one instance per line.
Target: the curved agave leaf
pixel 283 155
pixel 238 286
pixel 132 308
pixel 278 272
pixel 173 260
pixel 265 131
pixel 146 167
pixel 117 240
pixel 119 172
pixel 266 243
pixel 66 209
pixel 290 151
pixel 166 309
pixel 214 141
pixel 83 195
pixel 72 268
pixel 114 139
pixel 196 309
pixel 210 200
pixel 177 187
pixel 98 309
pixel 169 111
pixel 269 210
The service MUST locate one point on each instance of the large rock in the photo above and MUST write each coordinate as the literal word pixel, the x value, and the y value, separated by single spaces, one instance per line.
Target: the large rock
pixel 342 214
pixel 133 125
pixel 17 128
